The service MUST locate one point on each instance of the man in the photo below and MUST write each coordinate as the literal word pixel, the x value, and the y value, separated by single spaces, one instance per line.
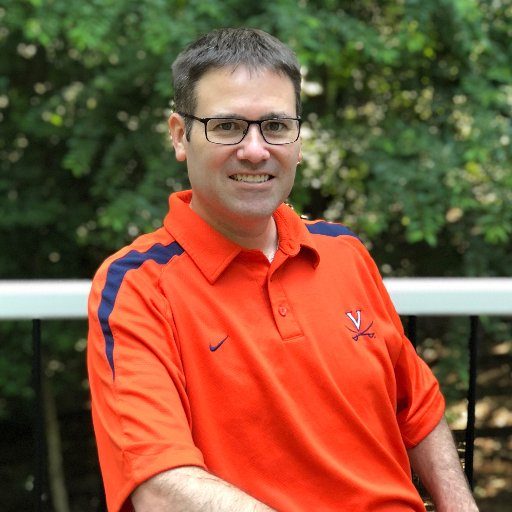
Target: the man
pixel 241 359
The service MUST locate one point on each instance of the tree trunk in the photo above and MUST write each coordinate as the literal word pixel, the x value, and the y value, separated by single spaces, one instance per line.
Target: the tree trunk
pixel 53 443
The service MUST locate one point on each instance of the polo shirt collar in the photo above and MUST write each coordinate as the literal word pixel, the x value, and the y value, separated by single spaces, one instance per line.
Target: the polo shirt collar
pixel 212 252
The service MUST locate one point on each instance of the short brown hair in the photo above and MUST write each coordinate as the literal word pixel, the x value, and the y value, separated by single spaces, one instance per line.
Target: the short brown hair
pixel 231 47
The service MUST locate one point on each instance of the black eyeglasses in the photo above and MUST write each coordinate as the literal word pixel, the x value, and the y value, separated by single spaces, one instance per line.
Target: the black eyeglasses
pixel 231 130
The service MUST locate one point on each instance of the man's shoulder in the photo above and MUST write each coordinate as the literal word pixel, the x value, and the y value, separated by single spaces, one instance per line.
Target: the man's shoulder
pixel 337 239
pixel 326 228
pixel 158 246
pixel 319 229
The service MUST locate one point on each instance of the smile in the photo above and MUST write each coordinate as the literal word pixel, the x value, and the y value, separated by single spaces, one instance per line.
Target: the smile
pixel 251 178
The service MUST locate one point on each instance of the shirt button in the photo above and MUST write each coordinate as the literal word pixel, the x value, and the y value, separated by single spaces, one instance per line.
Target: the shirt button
pixel 283 310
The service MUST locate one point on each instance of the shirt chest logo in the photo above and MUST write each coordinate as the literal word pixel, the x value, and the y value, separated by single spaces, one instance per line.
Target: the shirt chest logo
pixel 217 345
pixel 356 321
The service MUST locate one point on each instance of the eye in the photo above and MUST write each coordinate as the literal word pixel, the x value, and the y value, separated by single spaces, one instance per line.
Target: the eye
pixel 276 125
pixel 225 125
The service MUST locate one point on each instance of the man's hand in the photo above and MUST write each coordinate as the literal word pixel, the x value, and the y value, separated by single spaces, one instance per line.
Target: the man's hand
pixel 190 489
pixel 436 462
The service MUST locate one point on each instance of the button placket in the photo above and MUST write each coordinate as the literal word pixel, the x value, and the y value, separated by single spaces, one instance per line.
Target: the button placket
pixel 283 314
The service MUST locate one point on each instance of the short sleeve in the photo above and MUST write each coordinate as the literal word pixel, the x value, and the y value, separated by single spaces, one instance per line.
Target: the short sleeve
pixel 140 409
pixel 420 403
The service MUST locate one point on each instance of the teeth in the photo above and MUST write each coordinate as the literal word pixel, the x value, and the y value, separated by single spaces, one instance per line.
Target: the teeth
pixel 251 178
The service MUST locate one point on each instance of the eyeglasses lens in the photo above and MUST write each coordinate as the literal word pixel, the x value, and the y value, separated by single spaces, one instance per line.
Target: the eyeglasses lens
pixel 232 131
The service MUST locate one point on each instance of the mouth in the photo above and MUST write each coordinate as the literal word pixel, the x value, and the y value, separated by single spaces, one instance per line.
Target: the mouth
pixel 251 178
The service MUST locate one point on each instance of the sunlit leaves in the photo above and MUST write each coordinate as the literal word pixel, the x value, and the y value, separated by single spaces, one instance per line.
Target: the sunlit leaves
pixel 439 108
pixel 407 108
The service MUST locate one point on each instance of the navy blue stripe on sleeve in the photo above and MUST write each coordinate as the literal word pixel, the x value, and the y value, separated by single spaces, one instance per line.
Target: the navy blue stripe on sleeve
pixel 329 229
pixel 132 260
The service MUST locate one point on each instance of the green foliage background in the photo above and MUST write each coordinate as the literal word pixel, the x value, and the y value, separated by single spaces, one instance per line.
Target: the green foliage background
pixel 407 136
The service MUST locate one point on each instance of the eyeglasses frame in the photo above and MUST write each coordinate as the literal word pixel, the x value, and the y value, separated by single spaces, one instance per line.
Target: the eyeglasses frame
pixel 205 120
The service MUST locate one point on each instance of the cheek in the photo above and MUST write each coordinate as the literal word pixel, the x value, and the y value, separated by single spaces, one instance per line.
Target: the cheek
pixel 292 159
pixel 206 165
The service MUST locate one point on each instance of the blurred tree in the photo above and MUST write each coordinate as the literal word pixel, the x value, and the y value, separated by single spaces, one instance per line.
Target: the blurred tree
pixel 407 135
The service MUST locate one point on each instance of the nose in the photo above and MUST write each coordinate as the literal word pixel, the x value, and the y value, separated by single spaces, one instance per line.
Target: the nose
pixel 253 147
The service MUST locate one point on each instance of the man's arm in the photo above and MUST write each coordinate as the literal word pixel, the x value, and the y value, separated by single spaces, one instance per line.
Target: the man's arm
pixel 436 462
pixel 190 489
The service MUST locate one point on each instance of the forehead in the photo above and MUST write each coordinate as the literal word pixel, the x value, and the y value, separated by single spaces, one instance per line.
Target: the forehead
pixel 243 91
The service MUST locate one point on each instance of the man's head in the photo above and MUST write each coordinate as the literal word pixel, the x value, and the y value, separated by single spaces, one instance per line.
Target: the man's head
pixel 231 48
pixel 236 125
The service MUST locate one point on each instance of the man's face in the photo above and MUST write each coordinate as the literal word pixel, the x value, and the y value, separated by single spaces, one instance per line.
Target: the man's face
pixel 226 192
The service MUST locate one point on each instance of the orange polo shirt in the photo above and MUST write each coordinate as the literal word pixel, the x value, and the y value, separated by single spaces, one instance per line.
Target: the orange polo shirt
pixel 292 380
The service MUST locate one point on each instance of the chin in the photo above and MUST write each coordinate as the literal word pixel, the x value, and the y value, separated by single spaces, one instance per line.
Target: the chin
pixel 257 210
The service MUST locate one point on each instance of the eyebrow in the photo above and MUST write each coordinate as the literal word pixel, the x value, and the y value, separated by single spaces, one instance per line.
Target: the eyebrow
pixel 268 115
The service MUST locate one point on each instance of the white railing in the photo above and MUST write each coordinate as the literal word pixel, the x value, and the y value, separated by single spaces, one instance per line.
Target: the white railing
pixel 56 299
pixel 473 297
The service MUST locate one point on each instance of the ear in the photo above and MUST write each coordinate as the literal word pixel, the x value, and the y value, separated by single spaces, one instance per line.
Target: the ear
pixel 177 133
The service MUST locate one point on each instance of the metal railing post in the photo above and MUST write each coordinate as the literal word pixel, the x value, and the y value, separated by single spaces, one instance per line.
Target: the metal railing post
pixel 470 427
pixel 39 436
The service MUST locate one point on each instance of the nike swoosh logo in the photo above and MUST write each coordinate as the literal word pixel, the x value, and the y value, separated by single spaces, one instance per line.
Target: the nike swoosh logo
pixel 213 348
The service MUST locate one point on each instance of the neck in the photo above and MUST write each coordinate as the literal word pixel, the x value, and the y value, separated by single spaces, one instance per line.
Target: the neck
pixel 262 237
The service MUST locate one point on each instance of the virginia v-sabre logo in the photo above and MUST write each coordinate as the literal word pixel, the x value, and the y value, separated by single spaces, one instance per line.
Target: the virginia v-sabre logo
pixel 357 322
